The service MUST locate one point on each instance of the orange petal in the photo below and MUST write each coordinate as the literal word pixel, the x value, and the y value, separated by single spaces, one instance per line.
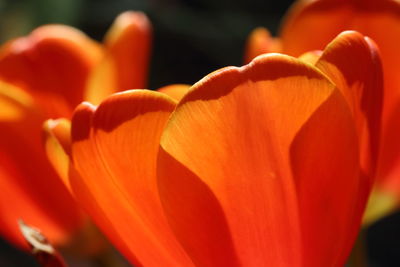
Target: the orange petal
pixel 352 62
pixel 52 63
pixel 58 144
pixel 260 42
pixel 114 150
pixel 224 165
pixel 175 91
pixel 26 176
pixel 13 102
pixel 125 65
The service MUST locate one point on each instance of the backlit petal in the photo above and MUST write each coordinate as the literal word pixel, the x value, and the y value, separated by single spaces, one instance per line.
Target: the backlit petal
pixel 224 166
pixel 114 149
pixel 126 60
pixel 52 63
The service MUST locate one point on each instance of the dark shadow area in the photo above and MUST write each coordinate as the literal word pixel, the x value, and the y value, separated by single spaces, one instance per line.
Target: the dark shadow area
pixel 383 242
pixel 12 257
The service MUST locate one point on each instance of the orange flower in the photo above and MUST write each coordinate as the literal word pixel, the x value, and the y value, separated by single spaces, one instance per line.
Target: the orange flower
pixel 45 75
pixel 311 25
pixel 258 165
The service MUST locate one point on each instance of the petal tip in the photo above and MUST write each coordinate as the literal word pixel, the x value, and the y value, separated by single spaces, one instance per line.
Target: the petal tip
pixel 127 105
pixel 81 121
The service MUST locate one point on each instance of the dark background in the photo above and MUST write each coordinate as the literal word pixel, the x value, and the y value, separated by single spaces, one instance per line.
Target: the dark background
pixel 191 39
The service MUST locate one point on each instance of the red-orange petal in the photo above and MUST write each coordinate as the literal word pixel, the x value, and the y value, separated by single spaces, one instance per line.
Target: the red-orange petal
pixel 224 167
pixel 26 175
pixel 127 55
pixel 260 42
pixel 114 149
pixel 53 64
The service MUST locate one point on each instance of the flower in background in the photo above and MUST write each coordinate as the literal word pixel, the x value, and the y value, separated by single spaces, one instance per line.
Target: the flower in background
pixel 310 25
pixel 260 42
pixel 45 75
pixel 257 165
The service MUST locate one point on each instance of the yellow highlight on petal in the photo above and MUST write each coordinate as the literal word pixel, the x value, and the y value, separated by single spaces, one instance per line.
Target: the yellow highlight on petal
pixel 379 205
pixel 311 57
pixel 14 102
pixel 102 82
pixel 57 145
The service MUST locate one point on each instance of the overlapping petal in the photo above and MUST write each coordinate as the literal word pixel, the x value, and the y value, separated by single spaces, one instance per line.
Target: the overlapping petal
pixel 175 91
pixel 55 66
pixel 311 57
pixel 240 152
pixel 269 163
pixel 308 26
pixel 114 150
pixel 311 24
pixel 352 62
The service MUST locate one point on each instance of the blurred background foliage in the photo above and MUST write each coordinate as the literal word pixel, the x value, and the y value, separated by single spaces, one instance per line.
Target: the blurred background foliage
pixel 191 39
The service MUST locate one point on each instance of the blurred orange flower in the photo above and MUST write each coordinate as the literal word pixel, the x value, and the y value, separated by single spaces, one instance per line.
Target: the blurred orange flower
pixel 310 25
pixel 258 165
pixel 45 75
